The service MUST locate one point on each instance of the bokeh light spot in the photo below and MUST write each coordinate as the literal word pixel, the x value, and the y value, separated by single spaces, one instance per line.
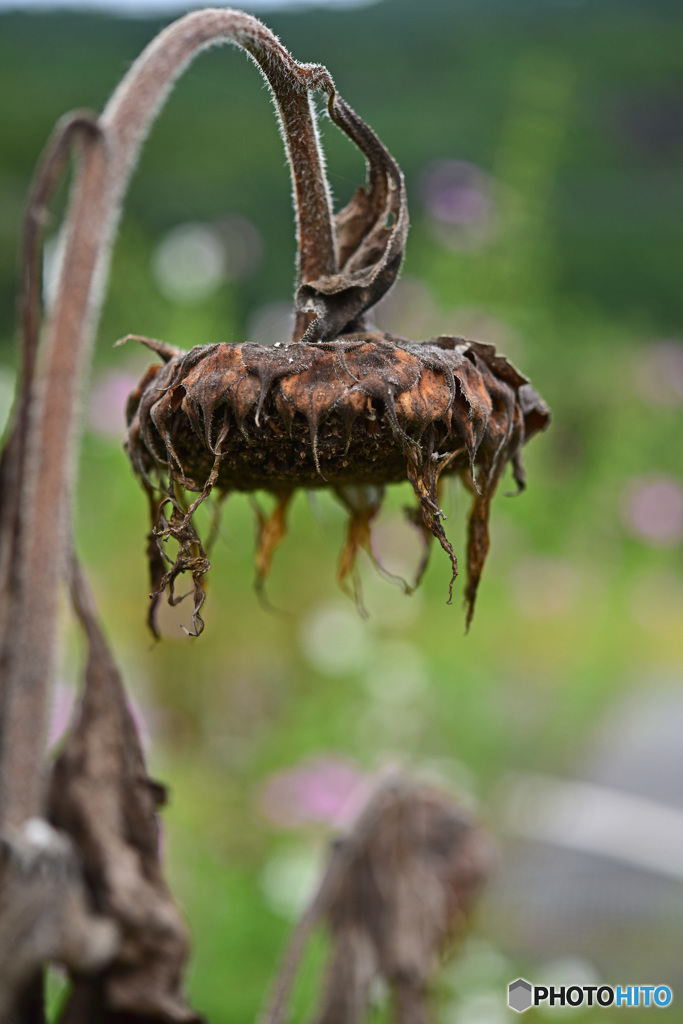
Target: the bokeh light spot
pixel 652 510
pixel 334 640
pixel 398 674
pixel 189 263
pixel 289 879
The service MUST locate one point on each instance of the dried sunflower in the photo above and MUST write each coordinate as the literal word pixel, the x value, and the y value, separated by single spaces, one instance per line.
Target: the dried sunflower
pixel 340 405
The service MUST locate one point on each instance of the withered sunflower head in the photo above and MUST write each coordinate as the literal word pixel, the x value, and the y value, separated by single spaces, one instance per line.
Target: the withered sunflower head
pixel 340 404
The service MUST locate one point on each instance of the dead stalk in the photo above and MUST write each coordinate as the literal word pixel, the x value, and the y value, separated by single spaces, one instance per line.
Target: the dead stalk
pixel 52 428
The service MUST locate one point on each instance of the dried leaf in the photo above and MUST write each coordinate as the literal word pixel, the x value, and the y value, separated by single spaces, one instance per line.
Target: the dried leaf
pixel 101 795
pixel 370 233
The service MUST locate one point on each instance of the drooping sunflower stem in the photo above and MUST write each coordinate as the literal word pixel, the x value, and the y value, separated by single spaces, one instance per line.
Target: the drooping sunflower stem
pixel 142 92
pixel 48 441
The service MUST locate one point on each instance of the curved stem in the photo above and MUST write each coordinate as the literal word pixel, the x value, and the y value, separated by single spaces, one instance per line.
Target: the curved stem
pixel 90 228
pixel 142 92
pixel 28 609
pixel 47 176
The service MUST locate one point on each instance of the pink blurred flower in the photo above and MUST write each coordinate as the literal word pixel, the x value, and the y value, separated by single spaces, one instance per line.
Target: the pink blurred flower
pixel 455 191
pixel 652 510
pixel 325 790
pixel 458 198
pixel 108 401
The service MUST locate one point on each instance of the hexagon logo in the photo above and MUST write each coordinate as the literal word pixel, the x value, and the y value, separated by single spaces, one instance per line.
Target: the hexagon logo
pixel 519 995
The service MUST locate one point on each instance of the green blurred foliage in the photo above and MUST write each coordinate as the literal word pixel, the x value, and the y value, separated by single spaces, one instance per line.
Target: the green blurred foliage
pixel 573 112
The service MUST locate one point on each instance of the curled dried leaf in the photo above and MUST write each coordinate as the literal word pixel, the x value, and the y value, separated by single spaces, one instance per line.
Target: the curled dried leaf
pixel 271 531
pixel 363 504
pixel 370 238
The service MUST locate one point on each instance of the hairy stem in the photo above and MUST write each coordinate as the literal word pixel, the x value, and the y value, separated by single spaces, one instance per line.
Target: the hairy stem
pixel 141 93
pixel 33 506
pixel 28 652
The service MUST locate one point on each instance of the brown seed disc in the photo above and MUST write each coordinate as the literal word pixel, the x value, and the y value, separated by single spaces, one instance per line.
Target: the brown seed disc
pixel 342 413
